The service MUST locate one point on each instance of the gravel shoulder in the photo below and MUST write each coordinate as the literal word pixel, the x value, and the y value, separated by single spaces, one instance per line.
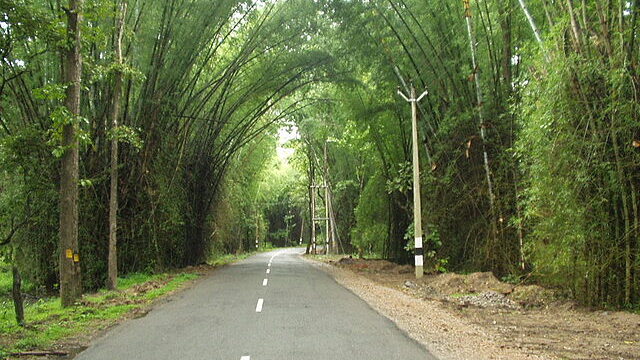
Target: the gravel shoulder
pixel 490 320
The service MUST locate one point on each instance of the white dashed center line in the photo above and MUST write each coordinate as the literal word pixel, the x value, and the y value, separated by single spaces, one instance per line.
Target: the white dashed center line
pixel 246 357
pixel 259 305
pixel 264 282
pixel 268 271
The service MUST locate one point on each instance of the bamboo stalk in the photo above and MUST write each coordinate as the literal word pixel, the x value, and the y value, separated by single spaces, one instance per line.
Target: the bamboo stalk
pixel 532 22
pixel 479 99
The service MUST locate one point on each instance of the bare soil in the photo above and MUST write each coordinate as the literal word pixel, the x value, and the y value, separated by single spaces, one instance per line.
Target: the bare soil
pixel 477 316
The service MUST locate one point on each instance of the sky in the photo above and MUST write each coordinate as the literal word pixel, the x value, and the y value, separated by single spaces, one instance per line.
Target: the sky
pixel 286 133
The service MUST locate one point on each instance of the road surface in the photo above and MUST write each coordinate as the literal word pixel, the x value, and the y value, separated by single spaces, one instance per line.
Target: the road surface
pixel 271 306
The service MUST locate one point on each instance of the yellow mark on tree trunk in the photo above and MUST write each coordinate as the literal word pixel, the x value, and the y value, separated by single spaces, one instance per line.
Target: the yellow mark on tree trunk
pixel 467 8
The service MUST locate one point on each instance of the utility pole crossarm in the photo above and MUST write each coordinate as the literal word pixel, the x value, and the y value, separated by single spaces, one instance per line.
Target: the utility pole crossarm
pixel 425 93
pixel 403 95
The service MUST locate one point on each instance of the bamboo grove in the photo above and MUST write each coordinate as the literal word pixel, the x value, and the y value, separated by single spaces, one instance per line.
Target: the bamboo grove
pixel 530 139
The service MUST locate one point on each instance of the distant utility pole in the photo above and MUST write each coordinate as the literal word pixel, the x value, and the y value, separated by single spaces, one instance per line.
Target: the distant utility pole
pixel 313 218
pixel 329 226
pixel 301 229
pixel 257 227
pixel 330 243
pixel 417 207
pixel 326 205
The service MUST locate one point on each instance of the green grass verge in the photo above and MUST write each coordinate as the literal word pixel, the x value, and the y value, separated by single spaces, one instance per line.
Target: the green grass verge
pixel 219 259
pixel 48 322
pixel 6 281
pixel 224 259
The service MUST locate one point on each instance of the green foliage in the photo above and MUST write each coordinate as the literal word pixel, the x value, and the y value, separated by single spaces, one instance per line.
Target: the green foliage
pixel 431 244
pixel 514 279
pixel 579 196
pixel 403 180
pixel 127 135
pixel 52 92
pixel 61 117
pixel 28 205
pixel 370 233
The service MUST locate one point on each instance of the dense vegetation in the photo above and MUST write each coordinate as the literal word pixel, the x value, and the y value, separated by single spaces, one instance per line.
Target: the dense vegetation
pixel 530 133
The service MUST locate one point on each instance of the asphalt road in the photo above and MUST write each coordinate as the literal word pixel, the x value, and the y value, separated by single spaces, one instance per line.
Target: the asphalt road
pixel 272 306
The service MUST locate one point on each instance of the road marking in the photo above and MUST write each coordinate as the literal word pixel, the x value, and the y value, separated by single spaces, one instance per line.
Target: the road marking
pixel 268 271
pixel 246 357
pixel 269 265
pixel 259 305
pixel 264 282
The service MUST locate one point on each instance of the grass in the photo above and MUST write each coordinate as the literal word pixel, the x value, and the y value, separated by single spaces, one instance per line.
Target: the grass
pixel 137 278
pixel 224 259
pixel 5 281
pixel 49 323
pixel 219 259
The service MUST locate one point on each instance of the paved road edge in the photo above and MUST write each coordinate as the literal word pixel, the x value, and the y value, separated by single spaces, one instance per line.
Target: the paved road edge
pixel 442 333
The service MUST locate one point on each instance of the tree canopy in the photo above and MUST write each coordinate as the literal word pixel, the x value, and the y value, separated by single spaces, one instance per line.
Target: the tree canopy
pixel 529 134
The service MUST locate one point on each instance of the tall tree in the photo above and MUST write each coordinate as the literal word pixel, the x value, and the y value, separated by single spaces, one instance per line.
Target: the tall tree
pixel 112 264
pixel 70 281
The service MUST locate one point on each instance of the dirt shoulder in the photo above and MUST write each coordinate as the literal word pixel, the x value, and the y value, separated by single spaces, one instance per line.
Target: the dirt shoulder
pixel 476 316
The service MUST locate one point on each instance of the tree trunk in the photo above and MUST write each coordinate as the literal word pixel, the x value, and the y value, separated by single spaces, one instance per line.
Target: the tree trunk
pixel 195 242
pixel 575 27
pixel 636 227
pixel 17 296
pixel 622 179
pixel 480 101
pixel 311 248
pixel 112 278
pixel 507 52
pixel 70 282
pixel 532 22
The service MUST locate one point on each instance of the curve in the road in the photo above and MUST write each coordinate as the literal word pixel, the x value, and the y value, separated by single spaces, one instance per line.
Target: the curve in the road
pixel 300 313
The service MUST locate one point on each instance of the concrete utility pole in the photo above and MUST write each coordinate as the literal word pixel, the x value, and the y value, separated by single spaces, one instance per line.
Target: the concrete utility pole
pixel 417 207
pixel 330 240
pixel 257 228
pixel 301 229
pixel 326 205
pixel 313 219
